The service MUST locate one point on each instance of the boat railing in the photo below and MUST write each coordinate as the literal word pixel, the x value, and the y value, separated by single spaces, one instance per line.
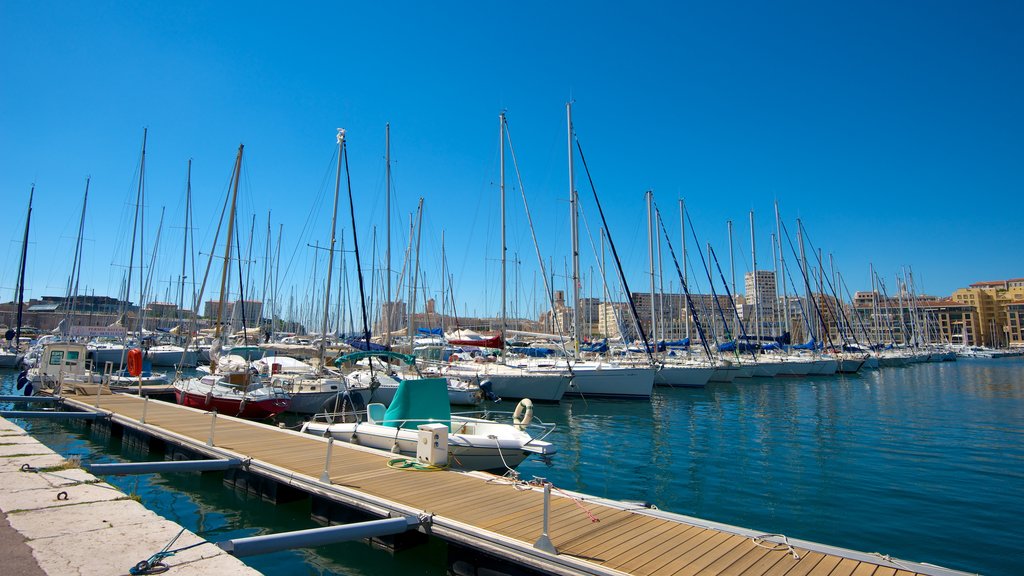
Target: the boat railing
pixel 536 428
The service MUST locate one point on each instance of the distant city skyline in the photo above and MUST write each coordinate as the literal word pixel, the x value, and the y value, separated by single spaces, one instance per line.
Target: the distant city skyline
pixel 891 130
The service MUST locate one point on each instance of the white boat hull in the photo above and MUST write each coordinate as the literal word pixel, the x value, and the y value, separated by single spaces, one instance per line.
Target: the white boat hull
pixel 689 376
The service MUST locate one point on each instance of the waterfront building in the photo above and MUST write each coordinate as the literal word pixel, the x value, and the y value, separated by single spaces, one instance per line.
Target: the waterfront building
pixel 996 307
pixel 760 297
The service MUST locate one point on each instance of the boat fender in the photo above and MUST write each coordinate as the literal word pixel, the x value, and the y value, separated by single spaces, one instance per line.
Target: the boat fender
pixel 453 358
pixel 523 414
pixel 241 405
pixel 209 397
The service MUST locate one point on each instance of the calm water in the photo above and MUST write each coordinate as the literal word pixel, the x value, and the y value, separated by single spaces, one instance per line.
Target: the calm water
pixel 924 463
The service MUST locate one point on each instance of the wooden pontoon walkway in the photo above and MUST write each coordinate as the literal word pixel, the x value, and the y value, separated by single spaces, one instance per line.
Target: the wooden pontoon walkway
pixel 492 515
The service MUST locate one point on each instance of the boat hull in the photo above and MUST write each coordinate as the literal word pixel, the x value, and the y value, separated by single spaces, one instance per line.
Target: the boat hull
pixel 252 410
pixel 611 382
pixel 688 376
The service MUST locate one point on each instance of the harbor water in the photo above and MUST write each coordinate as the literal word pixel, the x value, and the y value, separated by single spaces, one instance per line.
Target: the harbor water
pixel 924 463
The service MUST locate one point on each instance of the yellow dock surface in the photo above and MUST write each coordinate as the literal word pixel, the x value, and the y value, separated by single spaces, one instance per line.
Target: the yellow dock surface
pixel 622 540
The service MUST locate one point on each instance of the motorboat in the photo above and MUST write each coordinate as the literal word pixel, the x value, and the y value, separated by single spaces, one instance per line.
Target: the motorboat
pixel 474 442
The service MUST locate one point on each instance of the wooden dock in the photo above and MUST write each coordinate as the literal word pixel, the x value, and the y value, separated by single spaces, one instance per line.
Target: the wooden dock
pixel 491 514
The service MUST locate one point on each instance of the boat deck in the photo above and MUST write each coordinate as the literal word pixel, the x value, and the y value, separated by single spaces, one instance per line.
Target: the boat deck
pixel 495 516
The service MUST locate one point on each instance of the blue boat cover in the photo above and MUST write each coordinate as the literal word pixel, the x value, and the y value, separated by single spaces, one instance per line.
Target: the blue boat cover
pixel 360 344
pixel 433 331
pixel 809 345
pixel 531 352
pixel 419 401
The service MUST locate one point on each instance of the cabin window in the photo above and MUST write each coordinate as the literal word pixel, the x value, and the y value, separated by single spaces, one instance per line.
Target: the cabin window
pixel 72 356
pixel 56 357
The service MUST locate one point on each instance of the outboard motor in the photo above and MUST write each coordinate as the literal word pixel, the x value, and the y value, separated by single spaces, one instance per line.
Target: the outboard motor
pixel 346 405
pixel 24 385
pixel 487 388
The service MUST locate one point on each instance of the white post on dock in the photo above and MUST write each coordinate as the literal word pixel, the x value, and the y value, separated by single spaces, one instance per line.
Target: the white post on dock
pixel 213 423
pixel 544 542
pixel 325 477
pixel 145 404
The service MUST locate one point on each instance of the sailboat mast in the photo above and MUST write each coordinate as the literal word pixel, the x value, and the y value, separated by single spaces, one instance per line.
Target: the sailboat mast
pixel 732 258
pixel 330 250
pixel 574 224
pixel 76 268
pixel 184 249
pixel 649 197
pixel 757 295
pixel 782 267
pixel 504 247
pixel 21 268
pixel 387 225
pixel 227 247
pixel 686 281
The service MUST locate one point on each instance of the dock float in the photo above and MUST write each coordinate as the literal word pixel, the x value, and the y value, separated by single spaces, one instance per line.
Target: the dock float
pixel 493 516
pixel 66 514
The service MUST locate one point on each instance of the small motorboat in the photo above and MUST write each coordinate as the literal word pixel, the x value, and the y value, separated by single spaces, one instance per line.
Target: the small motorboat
pixel 474 443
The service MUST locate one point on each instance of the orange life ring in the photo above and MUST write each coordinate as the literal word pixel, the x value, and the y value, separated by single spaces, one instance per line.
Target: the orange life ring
pixel 135 362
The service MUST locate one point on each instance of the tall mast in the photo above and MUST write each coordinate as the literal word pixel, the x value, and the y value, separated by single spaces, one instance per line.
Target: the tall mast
pixel 21 268
pixel 574 212
pixel 387 225
pixel 184 249
pixel 649 197
pixel 330 251
pixel 757 295
pixel 227 250
pixel 732 259
pixel 782 267
pixel 807 281
pixel 682 232
pixel 504 248
pixel 415 274
pixel 131 250
pixel 874 303
pixel 76 268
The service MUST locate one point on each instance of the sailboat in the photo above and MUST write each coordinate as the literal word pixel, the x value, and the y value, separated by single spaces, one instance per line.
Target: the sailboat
pixel 231 388
pixel 10 356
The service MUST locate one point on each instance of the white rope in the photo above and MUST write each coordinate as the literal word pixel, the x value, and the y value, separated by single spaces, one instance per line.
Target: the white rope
pixel 784 545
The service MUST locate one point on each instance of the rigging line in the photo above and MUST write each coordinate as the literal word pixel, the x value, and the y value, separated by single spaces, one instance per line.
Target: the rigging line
pixel 533 235
pixel 803 311
pixel 615 254
pixel 807 284
pixel 729 295
pixel 318 201
pixel 355 241
pixel 842 312
pixel 593 248
pixel 711 281
pixel 686 290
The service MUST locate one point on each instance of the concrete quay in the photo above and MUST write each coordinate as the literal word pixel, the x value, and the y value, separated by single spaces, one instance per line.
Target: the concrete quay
pixel 60 520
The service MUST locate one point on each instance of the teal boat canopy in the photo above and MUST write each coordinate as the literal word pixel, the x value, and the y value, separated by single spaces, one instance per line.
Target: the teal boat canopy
pixel 419 401
pixel 357 356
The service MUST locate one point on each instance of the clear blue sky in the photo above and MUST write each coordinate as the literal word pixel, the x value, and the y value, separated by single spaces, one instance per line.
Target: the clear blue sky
pixel 893 129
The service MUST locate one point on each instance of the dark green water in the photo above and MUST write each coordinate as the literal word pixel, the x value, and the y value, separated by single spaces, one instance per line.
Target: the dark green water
pixel 924 463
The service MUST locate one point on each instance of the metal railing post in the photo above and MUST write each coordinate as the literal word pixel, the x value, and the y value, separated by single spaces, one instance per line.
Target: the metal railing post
pixel 213 423
pixel 145 404
pixel 326 476
pixel 544 542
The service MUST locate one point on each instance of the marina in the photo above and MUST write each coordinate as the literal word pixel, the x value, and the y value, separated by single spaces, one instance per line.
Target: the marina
pixel 742 431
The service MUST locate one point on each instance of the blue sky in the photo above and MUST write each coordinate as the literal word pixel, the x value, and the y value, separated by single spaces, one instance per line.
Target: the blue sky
pixel 892 129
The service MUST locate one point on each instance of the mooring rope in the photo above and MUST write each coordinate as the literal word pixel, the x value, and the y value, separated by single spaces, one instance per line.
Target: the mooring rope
pixel 154 564
pixel 784 545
